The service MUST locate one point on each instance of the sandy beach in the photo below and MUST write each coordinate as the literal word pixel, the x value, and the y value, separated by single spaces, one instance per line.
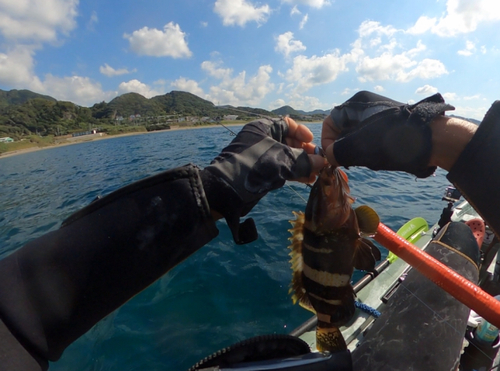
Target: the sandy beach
pixel 99 136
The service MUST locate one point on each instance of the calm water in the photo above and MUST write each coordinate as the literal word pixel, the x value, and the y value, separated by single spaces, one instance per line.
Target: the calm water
pixel 222 294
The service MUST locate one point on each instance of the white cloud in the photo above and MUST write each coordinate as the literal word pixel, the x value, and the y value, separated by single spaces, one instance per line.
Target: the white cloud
pixel 349 91
pixel 170 42
pixel 278 103
pixel 110 71
pixel 450 96
pixel 240 12
pixel 190 86
pixel 462 16
pixel 214 71
pixel 285 44
pixel 386 63
pixel 473 97
pixel 426 90
pixel 303 21
pixel 17 68
pixel 378 88
pixel 398 67
pixel 37 20
pixel 304 102
pixel 135 86
pixel 295 10
pixel 312 3
pixel 367 28
pixel 470 48
pixel 426 69
pixel 308 72
pixel 477 112
pixel 17 71
pixel 237 90
pixel 76 89
pixel 422 25
pixel 92 21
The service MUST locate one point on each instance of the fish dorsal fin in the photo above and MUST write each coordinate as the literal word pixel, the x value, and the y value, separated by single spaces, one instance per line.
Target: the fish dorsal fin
pixel 297 286
pixel 368 220
pixel 366 255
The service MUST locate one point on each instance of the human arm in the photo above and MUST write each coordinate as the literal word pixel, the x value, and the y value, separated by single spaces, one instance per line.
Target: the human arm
pixel 469 152
pixel 58 286
pixel 264 154
pixel 450 135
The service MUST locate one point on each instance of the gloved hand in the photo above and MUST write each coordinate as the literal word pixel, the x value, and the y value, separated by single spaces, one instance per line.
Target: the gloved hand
pixel 261 158
pixel 379 133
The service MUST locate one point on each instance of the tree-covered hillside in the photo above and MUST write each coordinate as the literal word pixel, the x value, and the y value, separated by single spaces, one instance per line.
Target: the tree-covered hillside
pixel 42 116
pixel 24 113
pixel 19 97
pixel 179 102
pixel 133 104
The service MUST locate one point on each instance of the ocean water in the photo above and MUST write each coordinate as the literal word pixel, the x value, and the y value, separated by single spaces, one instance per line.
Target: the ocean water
pixel 222 294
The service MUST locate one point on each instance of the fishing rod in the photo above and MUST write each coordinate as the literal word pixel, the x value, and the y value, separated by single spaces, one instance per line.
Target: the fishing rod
pixel 232 133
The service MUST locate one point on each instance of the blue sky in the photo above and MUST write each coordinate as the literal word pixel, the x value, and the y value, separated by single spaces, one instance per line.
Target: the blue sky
pixel 310 54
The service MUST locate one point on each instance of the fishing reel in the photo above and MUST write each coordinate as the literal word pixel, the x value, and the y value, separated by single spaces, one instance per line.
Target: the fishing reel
pixel 451 194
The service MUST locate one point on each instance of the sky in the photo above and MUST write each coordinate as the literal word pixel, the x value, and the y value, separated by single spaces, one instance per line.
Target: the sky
pixel 309 54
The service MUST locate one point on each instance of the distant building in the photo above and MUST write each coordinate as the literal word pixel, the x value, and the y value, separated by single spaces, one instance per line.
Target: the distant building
pixel 6 140
pixel 230 117
pixel 90 132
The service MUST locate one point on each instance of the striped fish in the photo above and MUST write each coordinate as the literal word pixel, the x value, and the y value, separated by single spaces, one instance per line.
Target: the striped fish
pixel 327 245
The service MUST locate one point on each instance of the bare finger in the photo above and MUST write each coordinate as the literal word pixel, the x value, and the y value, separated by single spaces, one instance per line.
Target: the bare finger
pixel 298 132
pixel 329 132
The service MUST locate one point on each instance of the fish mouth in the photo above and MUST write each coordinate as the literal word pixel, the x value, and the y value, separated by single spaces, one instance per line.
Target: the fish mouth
pixel 329 170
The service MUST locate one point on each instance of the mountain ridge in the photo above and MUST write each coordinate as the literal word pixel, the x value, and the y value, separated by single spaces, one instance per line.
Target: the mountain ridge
pixel 23 112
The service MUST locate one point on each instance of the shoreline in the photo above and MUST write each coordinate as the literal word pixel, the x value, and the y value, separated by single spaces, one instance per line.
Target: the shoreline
pixel 91 138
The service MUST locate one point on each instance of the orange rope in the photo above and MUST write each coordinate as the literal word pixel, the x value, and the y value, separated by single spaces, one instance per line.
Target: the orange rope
pixel 454 284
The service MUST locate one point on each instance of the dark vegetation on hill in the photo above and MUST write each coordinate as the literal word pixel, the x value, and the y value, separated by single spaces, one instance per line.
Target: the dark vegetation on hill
pixel 24 113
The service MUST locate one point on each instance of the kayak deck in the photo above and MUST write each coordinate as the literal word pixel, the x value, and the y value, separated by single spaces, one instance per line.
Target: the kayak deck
pixel 378 290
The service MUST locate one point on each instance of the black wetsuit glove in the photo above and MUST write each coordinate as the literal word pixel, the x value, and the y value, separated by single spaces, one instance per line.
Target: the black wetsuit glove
pixel 383 134
pixel 257 161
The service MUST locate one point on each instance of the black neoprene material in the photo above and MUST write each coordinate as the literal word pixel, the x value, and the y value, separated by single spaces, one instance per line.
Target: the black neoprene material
pixel 58 286
pixel 383 134
pixel 257 161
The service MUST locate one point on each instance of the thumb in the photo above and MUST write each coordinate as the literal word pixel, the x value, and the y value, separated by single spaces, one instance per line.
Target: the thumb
pixel 330 155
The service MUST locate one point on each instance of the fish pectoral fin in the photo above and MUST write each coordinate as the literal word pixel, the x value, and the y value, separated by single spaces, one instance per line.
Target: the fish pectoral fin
pixel 306 304
pixel 368 220
pixel 375 251
pixel 366 255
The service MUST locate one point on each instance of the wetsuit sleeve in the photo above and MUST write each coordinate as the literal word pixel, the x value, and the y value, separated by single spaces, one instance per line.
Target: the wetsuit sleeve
pixel 58 286
pixel 383 134
pixel 476 172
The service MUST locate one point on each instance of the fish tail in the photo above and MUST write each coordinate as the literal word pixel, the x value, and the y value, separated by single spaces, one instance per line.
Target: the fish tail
pixel 329 339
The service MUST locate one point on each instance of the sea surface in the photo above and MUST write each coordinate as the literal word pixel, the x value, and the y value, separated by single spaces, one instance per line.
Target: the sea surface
pixel 222 294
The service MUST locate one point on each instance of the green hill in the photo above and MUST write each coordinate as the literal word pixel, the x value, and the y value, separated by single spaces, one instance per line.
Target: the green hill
pixel 179 102
pixel 286 110
pixel 19 97
pixel 23 113
pixel 43 117
pixel 133 104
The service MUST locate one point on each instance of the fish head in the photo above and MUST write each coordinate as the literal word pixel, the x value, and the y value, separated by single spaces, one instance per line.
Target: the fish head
pixel 329 204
